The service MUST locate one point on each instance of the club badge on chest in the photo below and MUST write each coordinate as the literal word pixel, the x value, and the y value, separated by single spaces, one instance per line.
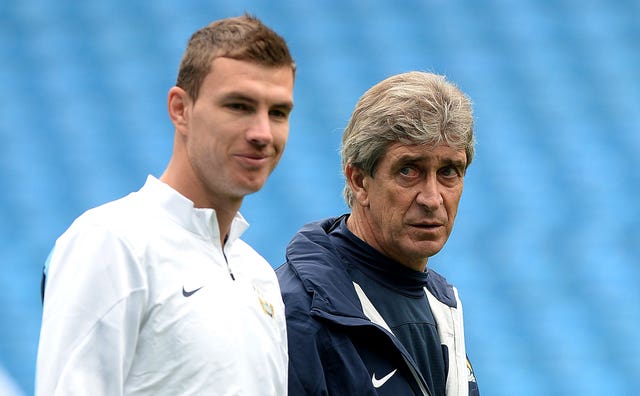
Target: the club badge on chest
pixel 267 307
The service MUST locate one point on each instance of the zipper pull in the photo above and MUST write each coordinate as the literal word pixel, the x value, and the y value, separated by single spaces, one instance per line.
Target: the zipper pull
pixel 228 268
pixel 230 272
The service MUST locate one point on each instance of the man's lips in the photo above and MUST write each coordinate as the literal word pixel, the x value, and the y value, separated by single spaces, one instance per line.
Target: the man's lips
pixel 253 156
pixel 427 225
pixel 253 159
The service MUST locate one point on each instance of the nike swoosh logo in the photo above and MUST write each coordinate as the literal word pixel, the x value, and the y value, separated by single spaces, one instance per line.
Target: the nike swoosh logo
pixel 189 293
pixel 379 382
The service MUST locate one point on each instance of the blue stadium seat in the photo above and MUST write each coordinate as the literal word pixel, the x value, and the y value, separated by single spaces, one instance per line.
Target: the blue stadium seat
pixel 547 244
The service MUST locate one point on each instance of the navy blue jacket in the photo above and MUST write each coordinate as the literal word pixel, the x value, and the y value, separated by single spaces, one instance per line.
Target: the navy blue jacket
pixel 336 346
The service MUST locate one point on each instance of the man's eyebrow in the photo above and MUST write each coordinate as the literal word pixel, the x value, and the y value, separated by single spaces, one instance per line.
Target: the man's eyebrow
pixel 456 162
pixel 410 158
pixel 288 105
pixel 238 96
pixel 414 158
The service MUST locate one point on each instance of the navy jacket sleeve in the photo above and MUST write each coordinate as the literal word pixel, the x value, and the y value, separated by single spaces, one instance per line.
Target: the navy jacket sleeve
pixel 321 361
pixel 306 375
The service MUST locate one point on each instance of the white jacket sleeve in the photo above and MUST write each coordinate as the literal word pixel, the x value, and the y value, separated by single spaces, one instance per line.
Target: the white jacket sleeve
pixel 93 309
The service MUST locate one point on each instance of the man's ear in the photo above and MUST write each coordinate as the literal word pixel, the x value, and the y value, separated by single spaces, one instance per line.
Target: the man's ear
pixel 358 182
pixel 178 102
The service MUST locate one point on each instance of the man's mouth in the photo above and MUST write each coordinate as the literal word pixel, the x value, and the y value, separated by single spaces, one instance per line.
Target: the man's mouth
pixel 427 226
pixel 252 160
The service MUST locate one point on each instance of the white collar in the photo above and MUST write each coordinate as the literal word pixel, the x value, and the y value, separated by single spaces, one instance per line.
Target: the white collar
pixel 200 221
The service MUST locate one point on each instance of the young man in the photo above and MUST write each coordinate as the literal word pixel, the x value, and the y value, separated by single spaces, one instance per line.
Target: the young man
pixel 364 314
pixel 155 293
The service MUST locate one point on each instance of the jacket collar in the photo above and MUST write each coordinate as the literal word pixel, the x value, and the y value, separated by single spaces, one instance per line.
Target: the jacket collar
pixel 200 221
pixel 322 272
pixel 315 260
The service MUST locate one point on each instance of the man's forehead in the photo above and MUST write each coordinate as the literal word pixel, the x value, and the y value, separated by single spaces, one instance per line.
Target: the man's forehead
pixel 418 152
pixel 237 79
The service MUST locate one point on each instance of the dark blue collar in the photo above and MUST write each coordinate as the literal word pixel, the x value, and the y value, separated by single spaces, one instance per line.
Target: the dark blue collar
pixel 324 273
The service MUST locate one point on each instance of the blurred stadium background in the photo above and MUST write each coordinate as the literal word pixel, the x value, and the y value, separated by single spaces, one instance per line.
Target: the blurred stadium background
pixel 546 251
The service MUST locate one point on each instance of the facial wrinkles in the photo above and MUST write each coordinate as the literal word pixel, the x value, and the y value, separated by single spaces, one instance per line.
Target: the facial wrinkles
pixel 386 214
pixel 426 205
pixel 394 238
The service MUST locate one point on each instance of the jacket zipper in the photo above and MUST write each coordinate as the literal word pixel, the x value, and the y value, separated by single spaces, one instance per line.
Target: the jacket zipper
pixel 417 377
pixel 377 320
pixel 228 267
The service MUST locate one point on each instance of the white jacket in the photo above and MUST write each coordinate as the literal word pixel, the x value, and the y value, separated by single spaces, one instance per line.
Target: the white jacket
pixel 140 301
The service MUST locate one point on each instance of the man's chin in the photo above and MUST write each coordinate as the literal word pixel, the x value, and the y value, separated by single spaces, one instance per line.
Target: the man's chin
pixel 249 188
pixel 429 248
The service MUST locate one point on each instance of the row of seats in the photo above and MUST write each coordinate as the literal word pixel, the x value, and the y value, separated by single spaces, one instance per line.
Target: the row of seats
pixel 546 247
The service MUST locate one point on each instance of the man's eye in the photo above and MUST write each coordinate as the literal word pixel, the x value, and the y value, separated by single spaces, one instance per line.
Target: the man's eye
pixel 279 113
pixel 449 171
pixel 408 171
pixel 238 106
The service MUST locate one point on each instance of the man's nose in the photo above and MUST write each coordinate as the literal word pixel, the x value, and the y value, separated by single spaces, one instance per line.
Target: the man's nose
pixel 259 132
pixel 429 195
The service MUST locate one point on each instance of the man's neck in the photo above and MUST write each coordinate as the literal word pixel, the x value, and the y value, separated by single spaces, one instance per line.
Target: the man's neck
pixel 224 207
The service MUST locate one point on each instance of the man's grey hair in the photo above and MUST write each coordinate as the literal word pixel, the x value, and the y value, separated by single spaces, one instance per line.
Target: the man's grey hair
pixel 413 108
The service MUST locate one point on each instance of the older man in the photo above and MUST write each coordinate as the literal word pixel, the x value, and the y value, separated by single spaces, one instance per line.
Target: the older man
pixel 364 314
